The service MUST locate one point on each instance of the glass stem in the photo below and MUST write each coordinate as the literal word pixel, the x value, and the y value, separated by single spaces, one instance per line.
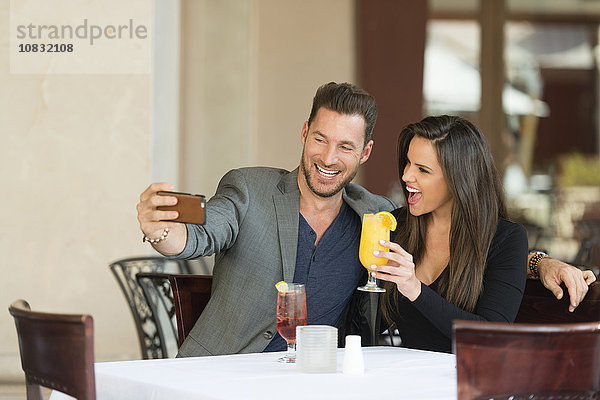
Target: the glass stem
pixel 291 350
pixel 371 281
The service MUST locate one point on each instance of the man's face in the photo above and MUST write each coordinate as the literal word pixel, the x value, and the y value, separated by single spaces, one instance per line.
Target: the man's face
pixel 333 149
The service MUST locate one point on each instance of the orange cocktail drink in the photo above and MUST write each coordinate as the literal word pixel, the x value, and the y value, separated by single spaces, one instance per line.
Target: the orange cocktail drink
pixel 375 227
pixel 373 230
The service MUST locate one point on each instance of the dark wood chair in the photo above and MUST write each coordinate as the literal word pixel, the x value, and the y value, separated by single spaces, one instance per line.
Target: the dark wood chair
pixel 57 351
pixel 587 231
pixel 539 306
pixel 527 361
pixel 152 344
pixel 191 294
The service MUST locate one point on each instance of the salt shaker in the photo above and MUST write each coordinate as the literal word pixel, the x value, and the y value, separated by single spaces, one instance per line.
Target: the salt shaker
pixel 353 358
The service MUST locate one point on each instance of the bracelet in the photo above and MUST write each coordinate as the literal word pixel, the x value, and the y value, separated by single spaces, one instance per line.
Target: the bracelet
pixel 532 263
pixel 157 240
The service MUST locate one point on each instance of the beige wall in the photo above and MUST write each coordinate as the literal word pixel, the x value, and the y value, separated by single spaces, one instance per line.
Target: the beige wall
pixel 301 45
pixel 251 68
pixel 216 98
pixel 74 158
pixel 76 149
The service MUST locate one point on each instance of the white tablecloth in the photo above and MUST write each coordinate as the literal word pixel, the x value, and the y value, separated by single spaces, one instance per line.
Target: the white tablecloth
pixel 390 372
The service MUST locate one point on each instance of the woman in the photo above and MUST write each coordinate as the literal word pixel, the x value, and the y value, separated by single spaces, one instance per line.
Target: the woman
pixel 454 254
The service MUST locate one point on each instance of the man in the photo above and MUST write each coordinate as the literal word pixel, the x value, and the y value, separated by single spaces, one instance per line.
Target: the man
pixel 266 225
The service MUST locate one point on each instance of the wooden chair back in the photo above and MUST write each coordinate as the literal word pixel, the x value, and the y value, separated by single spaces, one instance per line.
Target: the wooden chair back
pixel 500 360
pixel 191 294
pixel 539 306
pixel 57 351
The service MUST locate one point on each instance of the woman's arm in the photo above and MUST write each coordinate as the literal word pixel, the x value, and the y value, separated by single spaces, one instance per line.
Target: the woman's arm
pixel 504 282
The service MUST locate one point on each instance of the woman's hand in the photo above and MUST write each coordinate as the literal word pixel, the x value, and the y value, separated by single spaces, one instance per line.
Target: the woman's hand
pixel 399 269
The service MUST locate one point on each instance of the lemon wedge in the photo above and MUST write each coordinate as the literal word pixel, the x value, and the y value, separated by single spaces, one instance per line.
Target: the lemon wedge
pixel 281 286
pixel 388 220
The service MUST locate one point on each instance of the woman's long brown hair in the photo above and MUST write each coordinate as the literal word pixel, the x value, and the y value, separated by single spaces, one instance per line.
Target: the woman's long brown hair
pixel 473 182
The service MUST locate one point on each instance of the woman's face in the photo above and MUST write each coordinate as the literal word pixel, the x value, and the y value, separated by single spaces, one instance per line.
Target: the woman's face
pixel 428 191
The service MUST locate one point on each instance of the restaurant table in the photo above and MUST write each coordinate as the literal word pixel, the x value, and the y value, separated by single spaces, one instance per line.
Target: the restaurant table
pixel 390 372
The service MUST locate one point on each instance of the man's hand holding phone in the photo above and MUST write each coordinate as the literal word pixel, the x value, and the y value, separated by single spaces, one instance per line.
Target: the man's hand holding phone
pixel 154 222
pixel 189 207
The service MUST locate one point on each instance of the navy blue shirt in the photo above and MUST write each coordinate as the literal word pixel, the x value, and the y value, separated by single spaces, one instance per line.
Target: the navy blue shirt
pixel 331 270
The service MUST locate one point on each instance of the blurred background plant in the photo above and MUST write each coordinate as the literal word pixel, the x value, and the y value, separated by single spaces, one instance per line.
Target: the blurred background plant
pixel 579 170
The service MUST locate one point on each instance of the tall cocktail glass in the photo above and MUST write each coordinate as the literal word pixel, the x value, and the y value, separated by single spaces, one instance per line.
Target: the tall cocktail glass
pixel 373 230
pixel 291 312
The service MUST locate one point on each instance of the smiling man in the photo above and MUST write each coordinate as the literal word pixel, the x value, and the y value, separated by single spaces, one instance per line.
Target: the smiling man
pixel 266 225
pixel 325 141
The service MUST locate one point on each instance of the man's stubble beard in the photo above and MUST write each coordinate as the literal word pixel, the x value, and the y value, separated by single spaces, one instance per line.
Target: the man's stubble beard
pixel 335 190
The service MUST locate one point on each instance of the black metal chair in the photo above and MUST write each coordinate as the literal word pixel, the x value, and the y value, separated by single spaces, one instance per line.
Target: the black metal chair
pixel 159 296
pixel 149 328
pixel 57 351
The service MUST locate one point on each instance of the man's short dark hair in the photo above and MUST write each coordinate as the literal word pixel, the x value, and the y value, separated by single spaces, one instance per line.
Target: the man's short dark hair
pixel 346 98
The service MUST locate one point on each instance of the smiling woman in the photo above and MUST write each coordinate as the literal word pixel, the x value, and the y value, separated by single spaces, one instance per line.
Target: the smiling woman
pixel 453 236
pixel 425 174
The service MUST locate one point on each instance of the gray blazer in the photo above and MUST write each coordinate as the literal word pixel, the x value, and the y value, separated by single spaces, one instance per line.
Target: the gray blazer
pixel 252 227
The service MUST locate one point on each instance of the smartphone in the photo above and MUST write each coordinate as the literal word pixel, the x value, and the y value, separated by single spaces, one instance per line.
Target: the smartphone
pixel 189 206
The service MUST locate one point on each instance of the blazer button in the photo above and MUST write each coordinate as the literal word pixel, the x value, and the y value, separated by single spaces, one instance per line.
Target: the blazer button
pixel 268 335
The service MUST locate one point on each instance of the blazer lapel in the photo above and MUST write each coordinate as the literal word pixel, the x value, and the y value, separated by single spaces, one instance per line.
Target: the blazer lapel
pixel 287 210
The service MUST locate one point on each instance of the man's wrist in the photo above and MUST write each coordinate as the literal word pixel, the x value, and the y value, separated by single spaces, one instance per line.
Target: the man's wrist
pixel 162 237
pixel 533 260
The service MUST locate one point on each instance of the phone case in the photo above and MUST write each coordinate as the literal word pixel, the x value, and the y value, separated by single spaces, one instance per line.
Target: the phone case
pixel 190 207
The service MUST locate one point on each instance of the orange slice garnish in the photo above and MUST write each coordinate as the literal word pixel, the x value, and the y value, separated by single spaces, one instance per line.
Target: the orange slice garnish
pixel 388 220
